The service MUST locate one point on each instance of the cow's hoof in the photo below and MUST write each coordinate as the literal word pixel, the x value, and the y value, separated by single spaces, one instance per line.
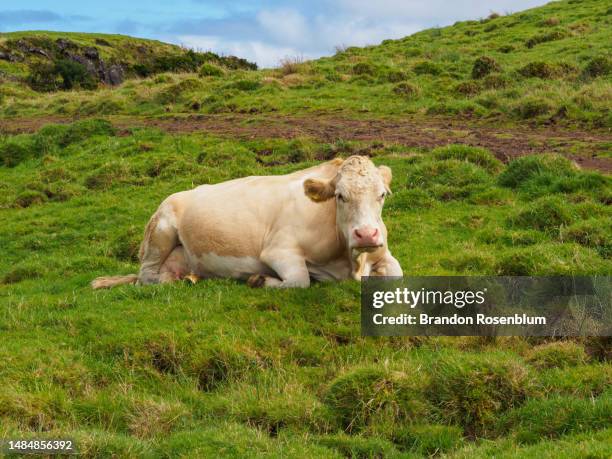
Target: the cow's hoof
pixel 191 278
pixel 256 280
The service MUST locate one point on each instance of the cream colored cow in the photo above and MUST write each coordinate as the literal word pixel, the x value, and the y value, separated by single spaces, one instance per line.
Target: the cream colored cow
pixel 321 223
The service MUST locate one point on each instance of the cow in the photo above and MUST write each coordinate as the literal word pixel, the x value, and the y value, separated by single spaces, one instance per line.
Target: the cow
pixel 321 223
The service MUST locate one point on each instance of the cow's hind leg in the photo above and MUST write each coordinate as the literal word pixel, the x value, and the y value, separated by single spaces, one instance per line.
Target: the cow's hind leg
pixel 290 267
pixel 175 267
pixel 161 237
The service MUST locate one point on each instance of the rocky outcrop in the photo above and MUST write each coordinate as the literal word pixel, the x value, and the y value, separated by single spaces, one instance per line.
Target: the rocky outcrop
pixel 89 57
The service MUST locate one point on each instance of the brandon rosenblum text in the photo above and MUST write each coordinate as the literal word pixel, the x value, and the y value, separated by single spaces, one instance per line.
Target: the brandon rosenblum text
pixel 480 319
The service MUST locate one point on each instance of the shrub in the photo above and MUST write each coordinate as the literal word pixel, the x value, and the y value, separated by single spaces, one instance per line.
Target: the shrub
pixel 406 89
pixel 428 439
pixel 62 74
pixel 530 107
pixel 467 88
pixel 594 233
pixel 363 68
pixel 207 69
pixel 598 66
pixel 557 354
pixel 483 66
pixel 474 155
pixel 545 37
pixel 289 65
pixel 472 390
pixel 427 68
pixel 538 70
pixel 547 214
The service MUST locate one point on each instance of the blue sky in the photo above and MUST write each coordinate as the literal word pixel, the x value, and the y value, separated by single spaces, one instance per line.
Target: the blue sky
pixel 262 31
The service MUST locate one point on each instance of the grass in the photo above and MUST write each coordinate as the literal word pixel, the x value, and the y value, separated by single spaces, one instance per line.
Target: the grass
pixel 545 65
pixel 218 368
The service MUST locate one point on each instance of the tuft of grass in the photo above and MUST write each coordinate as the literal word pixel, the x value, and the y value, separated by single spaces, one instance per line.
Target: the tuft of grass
pixel 448 179
pixel 358 447
pixel 475 155
pixel 427 68
pixel 218 366
pixel 527 168
pixel 28 198
pixel 406 89
pixel 532 107
pixel 557 354
pixel 548 214
pixel 598 66
pixel 210 70
pixel 556 416
pixel 546 37
pixel 367 395
pixel 546 258
pixel 538 69
pixel 473 390
pixel 483 66
pixel 595 233
pixel 428 439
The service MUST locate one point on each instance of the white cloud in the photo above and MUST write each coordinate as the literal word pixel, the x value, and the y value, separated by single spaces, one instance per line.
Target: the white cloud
pixel 285 25
pixel 313 28
pixel 266 55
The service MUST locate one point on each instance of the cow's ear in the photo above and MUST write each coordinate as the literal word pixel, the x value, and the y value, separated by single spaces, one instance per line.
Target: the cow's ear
pixel 319 190
pixel 387 175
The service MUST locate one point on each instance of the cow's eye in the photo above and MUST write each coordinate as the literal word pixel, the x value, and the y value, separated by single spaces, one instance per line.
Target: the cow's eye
pixel 382 196
pixel 341 197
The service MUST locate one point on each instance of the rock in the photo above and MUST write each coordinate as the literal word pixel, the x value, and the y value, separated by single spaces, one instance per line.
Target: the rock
pixel 92 53
pixel 7 57
pixel 115 75
pixel 64 44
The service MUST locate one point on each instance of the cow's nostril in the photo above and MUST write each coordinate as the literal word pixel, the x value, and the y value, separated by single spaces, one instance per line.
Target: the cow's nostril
pixel 358 234
pixel 375 232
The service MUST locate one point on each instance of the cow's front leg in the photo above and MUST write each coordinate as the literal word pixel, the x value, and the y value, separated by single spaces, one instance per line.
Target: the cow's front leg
pixel 387 266
pixel 288 265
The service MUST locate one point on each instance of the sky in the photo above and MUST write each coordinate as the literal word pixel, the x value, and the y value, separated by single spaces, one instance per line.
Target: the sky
pixel 263 31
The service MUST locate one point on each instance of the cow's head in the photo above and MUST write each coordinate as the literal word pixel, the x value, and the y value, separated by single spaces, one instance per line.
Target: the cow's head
pixel 359 189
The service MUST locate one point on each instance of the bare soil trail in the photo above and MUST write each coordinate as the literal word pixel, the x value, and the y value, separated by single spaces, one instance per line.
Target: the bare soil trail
pixel 590 149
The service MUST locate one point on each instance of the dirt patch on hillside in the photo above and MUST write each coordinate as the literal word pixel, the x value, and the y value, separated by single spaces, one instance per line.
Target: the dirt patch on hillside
pixel 590 149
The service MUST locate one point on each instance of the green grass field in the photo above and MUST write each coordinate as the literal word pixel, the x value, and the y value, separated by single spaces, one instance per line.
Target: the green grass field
pixel 219 369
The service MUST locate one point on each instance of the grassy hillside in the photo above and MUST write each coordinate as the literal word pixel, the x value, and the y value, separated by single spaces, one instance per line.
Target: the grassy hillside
pixel 220 369
pixel 546 65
